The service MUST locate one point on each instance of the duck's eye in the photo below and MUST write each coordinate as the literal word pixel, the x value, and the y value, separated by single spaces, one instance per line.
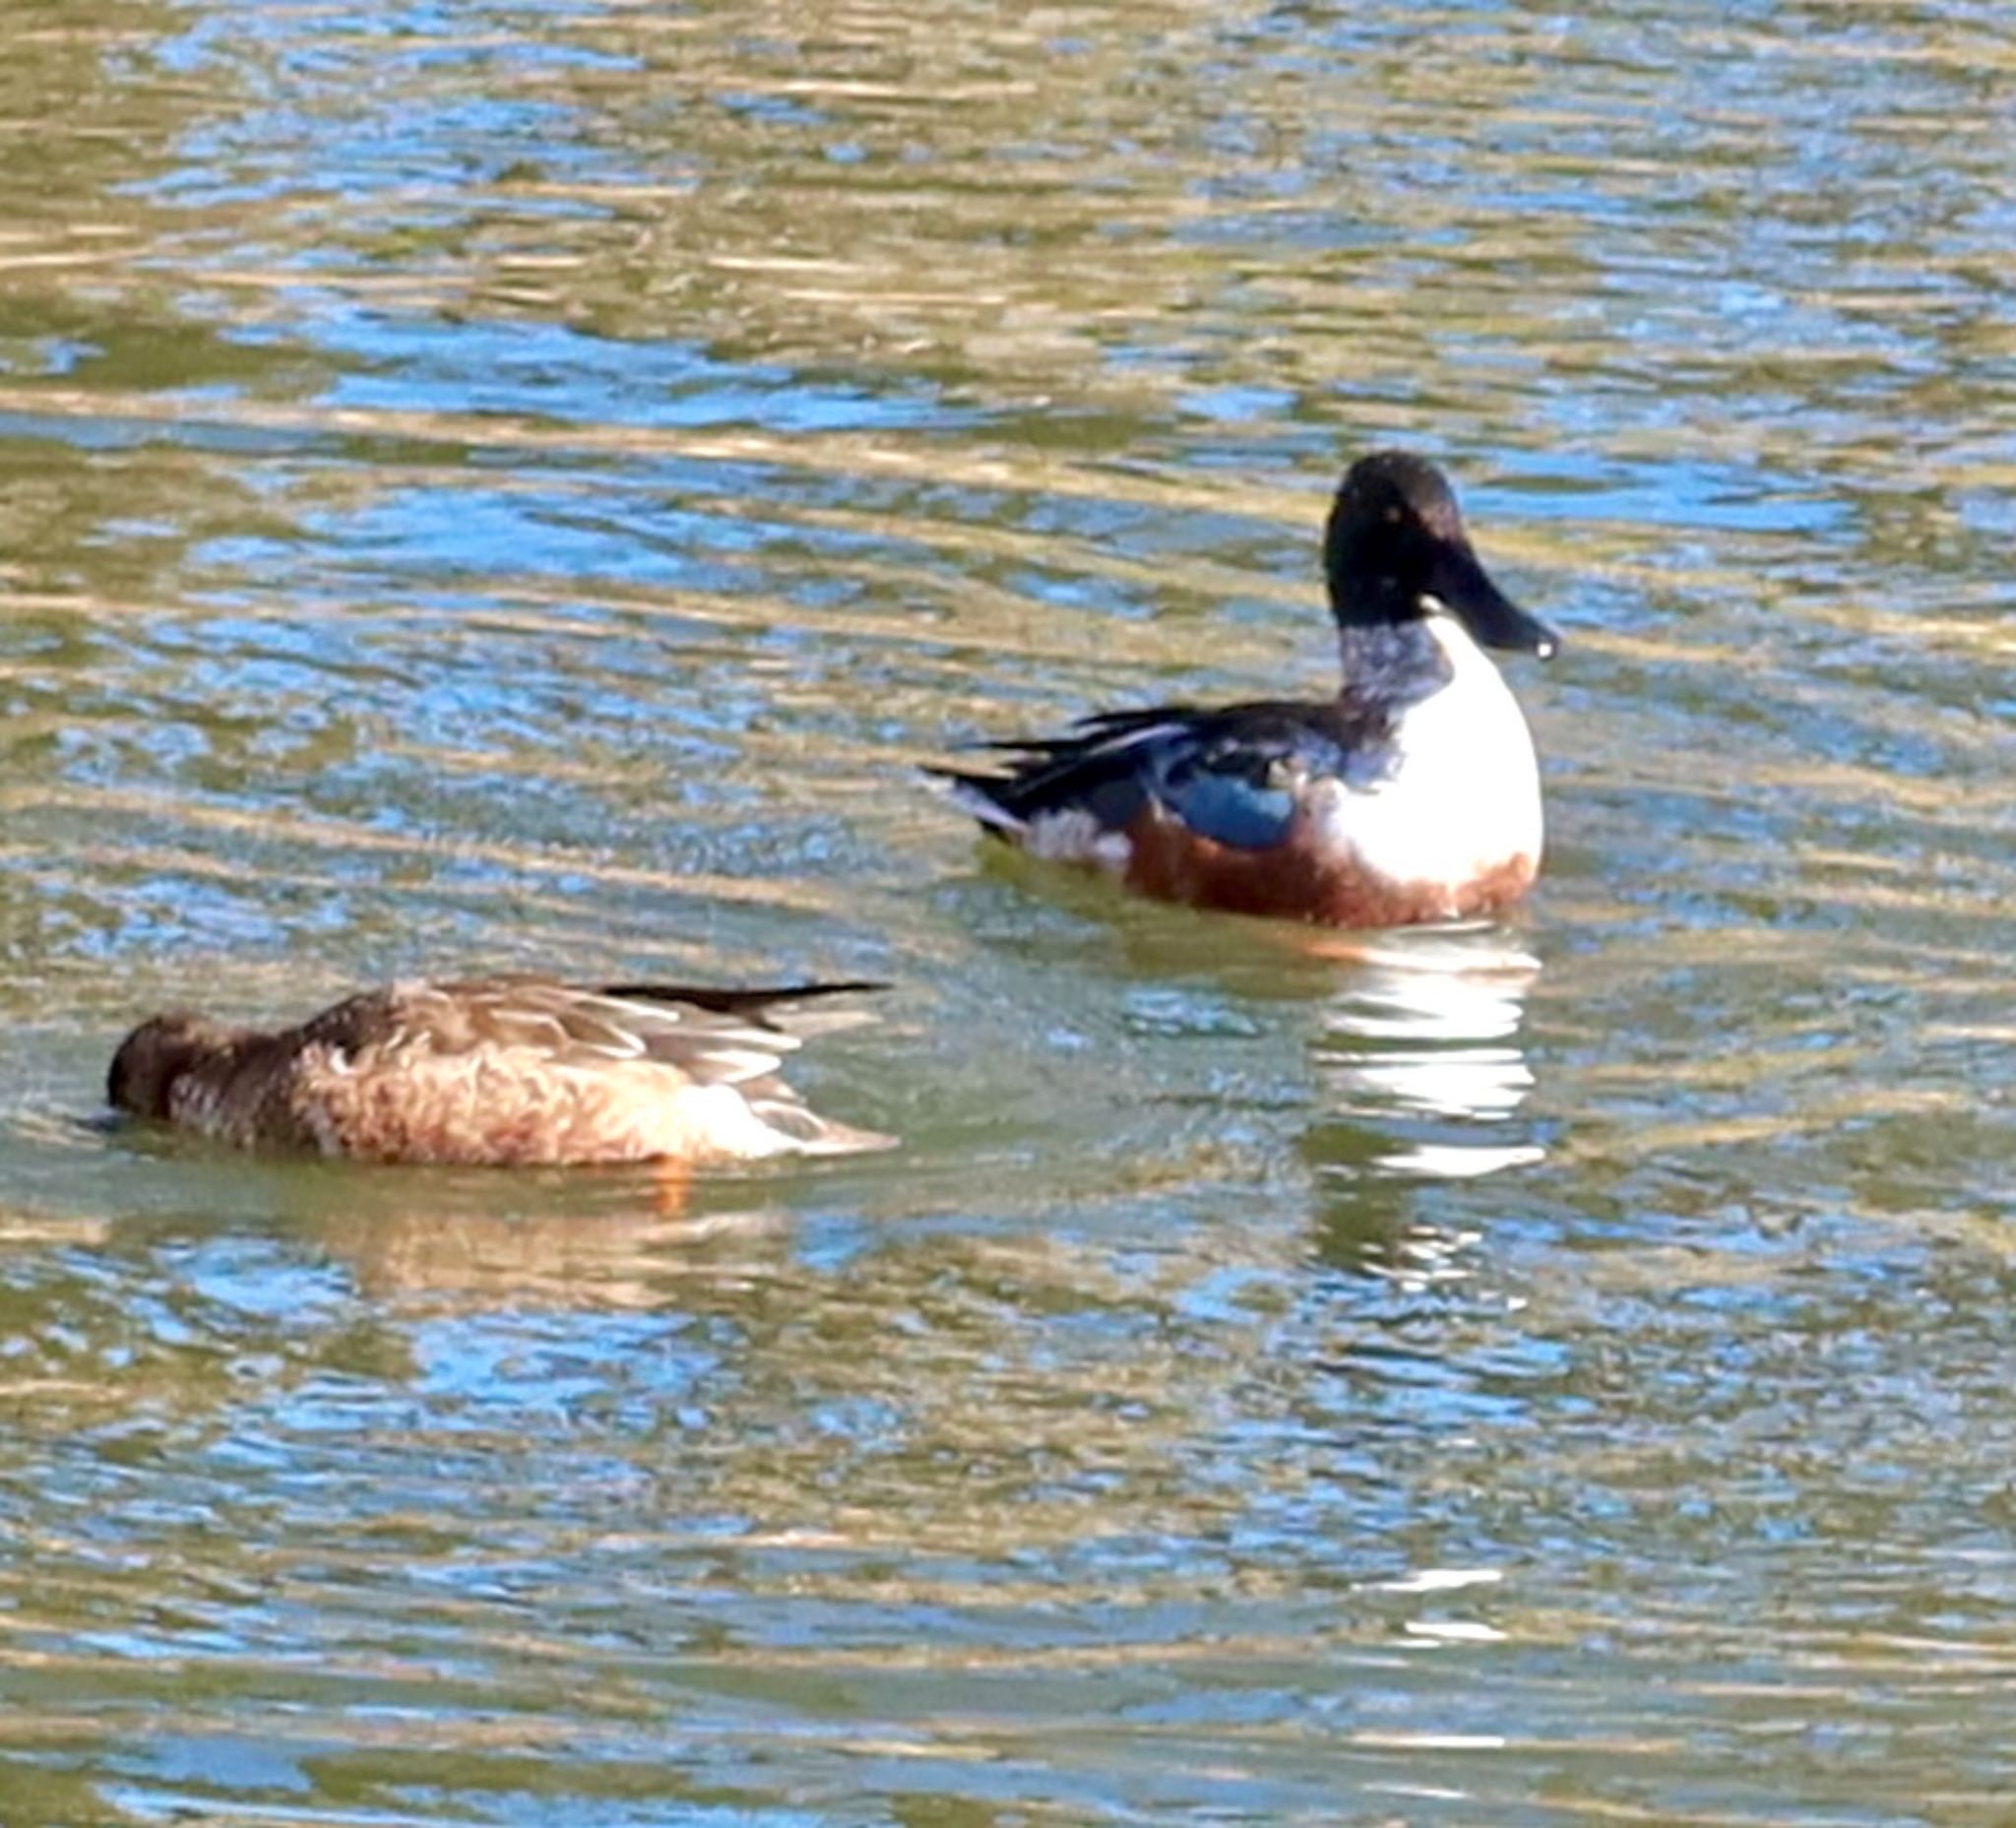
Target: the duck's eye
pixel 1393 517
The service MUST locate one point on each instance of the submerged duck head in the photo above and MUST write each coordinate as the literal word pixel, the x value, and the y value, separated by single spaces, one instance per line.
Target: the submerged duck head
pixel 153 1057
pixel 1395 551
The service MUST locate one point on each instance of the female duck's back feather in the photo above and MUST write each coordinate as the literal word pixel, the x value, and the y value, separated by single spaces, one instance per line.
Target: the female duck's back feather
pixel 497 1070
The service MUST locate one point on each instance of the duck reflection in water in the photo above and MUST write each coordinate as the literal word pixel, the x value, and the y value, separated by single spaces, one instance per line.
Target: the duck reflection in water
pixel 627 1242
pixel 1421 1074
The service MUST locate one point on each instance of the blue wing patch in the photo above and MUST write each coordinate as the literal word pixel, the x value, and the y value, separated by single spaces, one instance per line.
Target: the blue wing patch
pixel 1243 805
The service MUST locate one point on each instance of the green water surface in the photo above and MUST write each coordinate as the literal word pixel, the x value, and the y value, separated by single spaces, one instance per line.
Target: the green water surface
pixel 523 484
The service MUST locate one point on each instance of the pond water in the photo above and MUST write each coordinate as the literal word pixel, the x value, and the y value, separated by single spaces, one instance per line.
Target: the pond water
pixel 525 483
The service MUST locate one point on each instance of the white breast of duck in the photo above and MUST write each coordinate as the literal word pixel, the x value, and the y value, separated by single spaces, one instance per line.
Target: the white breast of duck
pixel 1452 797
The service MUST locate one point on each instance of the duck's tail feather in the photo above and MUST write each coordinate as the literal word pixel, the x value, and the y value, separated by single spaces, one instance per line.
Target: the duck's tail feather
pixel 808 1133
pixel 983 798
pixel 757 1005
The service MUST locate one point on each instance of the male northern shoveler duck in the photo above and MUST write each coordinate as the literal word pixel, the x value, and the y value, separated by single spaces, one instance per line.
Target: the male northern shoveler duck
pixel 498 1071
pixel 1412 795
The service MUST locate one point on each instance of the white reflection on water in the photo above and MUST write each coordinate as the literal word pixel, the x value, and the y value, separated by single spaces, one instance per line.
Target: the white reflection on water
pixel 1428 1028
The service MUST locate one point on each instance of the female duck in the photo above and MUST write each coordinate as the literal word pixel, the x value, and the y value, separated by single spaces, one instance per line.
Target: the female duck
pixel 1412 795
pixel 497 1071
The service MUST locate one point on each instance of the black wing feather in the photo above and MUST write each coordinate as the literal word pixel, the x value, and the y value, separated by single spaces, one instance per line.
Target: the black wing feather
pixel 1232 775
pixel 748 1005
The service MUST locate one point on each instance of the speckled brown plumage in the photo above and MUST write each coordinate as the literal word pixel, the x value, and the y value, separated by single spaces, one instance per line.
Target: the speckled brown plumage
pixel 496 1071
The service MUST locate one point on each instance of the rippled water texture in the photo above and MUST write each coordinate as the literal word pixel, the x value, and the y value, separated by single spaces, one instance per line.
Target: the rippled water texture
pixel 525 483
